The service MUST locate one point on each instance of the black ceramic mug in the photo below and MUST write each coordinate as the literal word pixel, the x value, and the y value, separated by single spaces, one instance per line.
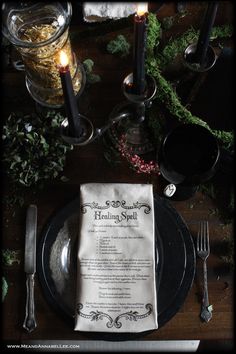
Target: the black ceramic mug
pixel 188 156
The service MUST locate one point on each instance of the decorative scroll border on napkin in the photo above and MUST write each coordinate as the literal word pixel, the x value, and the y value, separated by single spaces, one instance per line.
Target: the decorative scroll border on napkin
pixel 115 204
pixel 129 316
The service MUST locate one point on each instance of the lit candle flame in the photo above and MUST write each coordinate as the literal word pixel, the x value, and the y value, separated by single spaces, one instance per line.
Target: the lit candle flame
pixel 63 59
pixel 142 8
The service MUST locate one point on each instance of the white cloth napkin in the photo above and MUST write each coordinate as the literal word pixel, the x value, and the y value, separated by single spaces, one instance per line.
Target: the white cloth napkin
pixel 116 283
pixel 101 11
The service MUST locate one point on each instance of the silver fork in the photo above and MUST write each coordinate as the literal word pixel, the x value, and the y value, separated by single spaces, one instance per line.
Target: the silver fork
pixel 203 251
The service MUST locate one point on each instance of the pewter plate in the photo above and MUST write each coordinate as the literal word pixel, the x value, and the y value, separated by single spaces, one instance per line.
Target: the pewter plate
pixel 57 252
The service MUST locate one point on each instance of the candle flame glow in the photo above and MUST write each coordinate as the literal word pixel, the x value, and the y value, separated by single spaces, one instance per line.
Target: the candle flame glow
pixel 142 8
pixel 63 59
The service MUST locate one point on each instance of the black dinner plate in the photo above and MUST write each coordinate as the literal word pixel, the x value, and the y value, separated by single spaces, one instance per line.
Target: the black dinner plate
pixel 175 268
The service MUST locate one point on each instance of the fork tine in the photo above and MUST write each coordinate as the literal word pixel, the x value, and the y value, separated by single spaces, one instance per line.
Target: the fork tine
pixel 207 237
pixel 198 239
pixel 203 236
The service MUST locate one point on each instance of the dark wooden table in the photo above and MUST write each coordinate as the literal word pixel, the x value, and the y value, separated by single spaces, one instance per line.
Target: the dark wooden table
pixel 87 164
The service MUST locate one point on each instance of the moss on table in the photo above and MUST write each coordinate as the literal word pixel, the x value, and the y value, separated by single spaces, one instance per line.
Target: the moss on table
pixel 166 93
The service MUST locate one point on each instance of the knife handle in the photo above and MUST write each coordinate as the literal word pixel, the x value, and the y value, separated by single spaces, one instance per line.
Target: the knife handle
pixel 29 322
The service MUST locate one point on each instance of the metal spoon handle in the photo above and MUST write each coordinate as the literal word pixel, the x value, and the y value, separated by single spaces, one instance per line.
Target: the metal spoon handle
pixel 30 322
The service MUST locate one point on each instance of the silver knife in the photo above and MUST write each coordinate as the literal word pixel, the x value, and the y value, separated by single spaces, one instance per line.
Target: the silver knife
pixel 30 267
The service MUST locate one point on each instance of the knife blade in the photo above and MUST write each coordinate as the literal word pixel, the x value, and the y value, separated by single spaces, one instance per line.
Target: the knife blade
pixel 30 267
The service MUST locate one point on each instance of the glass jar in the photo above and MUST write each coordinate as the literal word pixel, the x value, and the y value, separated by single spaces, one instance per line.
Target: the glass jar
pixel 39 31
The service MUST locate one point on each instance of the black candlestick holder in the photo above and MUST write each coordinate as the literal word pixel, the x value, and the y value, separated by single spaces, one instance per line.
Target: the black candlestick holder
pixel 195 72
pixel 133 130
pixel 193 63
pixel 87 132
pixel 127 121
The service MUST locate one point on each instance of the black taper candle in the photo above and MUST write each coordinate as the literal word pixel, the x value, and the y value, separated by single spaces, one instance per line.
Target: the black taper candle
pixel 71 108
pixel 205 32
pixel 140 25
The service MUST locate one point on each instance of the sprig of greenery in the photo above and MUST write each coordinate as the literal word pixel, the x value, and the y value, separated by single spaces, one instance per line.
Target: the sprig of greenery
pixel 119 45
pixel 91 78
pixel 10 256
pixel 33 150
pixel 175 46
pixel 222 31
pixel 179 44
pixel 4 288
pixel 153 33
